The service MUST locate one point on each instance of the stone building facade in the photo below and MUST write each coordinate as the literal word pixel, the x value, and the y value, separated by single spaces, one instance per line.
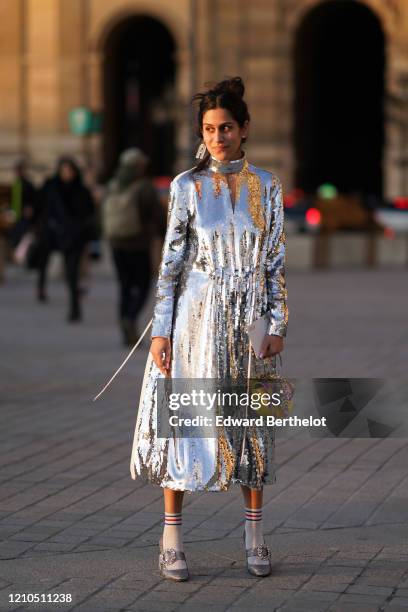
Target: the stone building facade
pixel 56 55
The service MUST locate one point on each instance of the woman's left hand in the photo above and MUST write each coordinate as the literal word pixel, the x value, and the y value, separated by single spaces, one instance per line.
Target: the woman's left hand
pixel 272 345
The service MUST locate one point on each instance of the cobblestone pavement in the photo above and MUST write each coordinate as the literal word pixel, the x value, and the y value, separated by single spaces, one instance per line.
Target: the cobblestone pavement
pixel 72 520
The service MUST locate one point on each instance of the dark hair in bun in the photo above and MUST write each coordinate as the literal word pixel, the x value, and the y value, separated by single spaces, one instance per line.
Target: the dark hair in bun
pixel 228 94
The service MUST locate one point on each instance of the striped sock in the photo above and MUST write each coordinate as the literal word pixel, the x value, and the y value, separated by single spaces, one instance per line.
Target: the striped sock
pixel 172 519
pixel 173 534
pixel 253 514
pixel 254 530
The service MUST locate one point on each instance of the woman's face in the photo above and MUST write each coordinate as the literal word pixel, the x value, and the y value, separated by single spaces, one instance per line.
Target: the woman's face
pixel 222 134
pixel 67 172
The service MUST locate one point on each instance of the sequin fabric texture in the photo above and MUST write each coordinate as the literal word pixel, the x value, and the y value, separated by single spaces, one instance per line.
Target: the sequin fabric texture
pixel 222 267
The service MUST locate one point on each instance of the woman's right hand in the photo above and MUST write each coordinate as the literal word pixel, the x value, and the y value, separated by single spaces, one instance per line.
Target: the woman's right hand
pixel 161 353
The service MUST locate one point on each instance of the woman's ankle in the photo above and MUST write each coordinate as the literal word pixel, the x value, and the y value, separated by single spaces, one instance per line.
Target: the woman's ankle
pixel 253 527
pixel 173 531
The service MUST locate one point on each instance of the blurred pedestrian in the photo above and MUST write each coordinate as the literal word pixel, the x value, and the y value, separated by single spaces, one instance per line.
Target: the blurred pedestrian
pixel 24 202
pixel 132 218
pixel 67 224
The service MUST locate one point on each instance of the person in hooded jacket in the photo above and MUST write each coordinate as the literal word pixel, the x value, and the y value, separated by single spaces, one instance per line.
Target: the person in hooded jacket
pixel 132 218
pixel 67 224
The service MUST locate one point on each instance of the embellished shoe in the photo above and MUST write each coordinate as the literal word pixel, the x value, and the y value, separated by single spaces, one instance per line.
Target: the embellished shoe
pixel 167 558
pixel 262 551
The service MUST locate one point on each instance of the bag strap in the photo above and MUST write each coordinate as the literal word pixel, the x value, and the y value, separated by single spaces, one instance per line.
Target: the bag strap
pixel 246 407
pixel 257 273
pixel 125 361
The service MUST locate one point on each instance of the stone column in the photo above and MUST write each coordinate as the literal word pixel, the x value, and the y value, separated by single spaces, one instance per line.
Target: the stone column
pixel 43 79
pixel 267 68
pixel 13 126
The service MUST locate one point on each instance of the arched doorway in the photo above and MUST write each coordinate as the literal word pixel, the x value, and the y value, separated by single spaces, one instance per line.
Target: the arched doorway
pixel 139 74
pixel 339 65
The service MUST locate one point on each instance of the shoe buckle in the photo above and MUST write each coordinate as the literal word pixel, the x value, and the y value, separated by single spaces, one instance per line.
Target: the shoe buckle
pixel 262 551
pixel 168 557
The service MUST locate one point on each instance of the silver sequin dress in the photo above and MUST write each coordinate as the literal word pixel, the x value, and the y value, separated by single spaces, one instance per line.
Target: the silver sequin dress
pixel 222 266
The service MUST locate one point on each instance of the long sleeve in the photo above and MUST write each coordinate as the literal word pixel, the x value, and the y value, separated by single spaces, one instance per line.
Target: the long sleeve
pixel 275 268
pixel 174 248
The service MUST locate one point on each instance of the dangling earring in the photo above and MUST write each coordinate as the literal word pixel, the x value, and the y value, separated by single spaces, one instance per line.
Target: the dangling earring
pixel 201 151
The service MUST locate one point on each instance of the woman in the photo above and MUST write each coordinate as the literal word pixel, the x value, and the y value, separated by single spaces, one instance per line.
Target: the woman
pixel 67 224
pixel 222 267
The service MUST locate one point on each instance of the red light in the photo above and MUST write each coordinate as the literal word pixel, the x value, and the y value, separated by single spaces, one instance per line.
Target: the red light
pixel 292 198
pixel 313 216
pixel 289 201
pixel 401 203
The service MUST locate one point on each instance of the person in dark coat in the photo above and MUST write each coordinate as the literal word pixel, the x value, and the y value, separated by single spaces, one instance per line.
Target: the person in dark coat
pixel 67 224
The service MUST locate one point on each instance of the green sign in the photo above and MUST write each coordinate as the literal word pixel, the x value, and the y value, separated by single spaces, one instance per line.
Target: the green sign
pixel 80 120
pixel 83 121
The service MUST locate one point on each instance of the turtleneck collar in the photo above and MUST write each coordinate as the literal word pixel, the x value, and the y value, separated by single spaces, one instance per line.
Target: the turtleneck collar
pixel 227 167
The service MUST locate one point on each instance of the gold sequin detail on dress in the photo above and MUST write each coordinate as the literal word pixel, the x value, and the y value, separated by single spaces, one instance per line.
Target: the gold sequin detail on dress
pixel 254 196
pixel 218 180
pixel 197 184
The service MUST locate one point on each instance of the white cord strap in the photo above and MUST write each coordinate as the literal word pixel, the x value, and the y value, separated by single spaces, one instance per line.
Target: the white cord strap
pixel 125 361
pixel 246 407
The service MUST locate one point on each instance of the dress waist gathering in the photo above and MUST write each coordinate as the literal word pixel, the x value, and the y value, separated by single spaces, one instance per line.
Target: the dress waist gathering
pixel 220 274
